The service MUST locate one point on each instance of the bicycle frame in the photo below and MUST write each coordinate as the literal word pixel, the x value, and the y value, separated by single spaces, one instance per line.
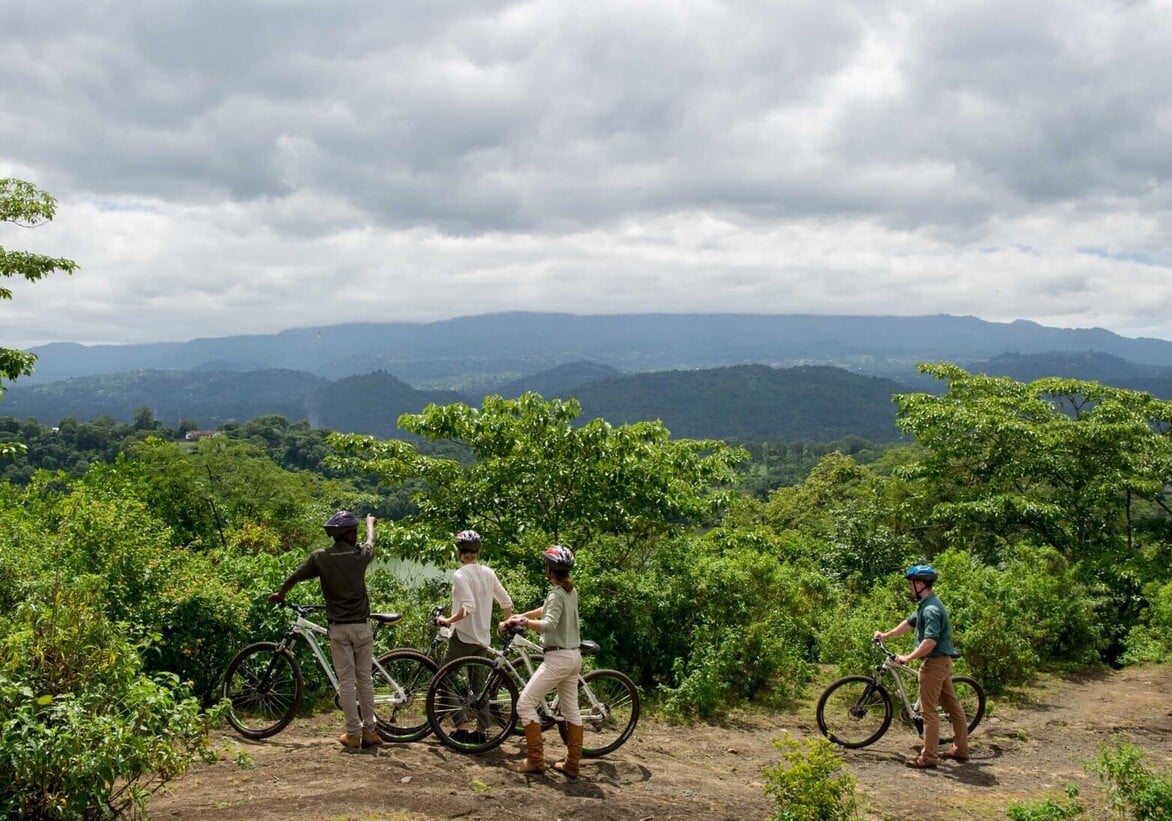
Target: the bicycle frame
pixel 521 647
pixel 890 669
pixel 309 630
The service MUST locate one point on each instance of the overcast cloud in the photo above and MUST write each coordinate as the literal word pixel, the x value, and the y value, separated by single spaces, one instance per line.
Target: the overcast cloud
pixel 236 166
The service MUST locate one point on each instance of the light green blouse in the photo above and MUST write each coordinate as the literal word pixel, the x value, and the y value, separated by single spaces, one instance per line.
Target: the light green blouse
pixel 559 619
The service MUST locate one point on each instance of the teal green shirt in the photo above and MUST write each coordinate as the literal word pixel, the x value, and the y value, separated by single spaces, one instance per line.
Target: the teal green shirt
pixel 559 619
pixel 931 622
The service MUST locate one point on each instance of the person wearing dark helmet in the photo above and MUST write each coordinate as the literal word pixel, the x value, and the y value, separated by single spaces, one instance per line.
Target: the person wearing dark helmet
pixel 341 571
pixel 557 621
pixel 474 587
pixel 933 645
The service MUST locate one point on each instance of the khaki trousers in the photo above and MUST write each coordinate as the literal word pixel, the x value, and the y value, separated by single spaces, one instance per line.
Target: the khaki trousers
pixel 351 649
pixel 936 691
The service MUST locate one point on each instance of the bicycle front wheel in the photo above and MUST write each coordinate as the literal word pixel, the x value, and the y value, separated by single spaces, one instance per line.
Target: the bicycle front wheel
pixel 854 711
pixel 471 705
pixel 400 695
pixel 972 698
pixel 264 685
pixel 609 705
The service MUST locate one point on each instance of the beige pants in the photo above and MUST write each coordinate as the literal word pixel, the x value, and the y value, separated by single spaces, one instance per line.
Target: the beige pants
pixel 558 671
pixel 936 690
pixel 351 648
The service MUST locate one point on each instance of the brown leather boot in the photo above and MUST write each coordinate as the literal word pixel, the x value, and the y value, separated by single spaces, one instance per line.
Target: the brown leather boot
pixel 569 767
pixel 350 742
pixel 535 751
pixel 371 738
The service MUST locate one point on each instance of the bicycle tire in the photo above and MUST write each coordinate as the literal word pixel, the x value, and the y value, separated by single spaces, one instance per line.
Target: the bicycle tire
pixel 606 727
pixel 399 704
pixel 854 711
pixel 972 699
pixel 264 686
pixel 452 700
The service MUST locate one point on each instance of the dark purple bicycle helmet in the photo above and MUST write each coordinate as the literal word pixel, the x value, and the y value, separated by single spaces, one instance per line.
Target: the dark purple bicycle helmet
pixel 341 522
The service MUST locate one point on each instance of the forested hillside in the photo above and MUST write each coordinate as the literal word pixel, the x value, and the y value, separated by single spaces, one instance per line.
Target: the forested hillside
pixel 745 402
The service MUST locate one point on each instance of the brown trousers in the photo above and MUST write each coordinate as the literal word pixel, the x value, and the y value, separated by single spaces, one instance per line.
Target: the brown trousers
pixel 936 691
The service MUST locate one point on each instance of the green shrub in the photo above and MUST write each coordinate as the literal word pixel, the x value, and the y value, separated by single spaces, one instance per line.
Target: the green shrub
pixel 1132 786
pixel 1048 809
pixel 85 732
pixel 754 621
pixel 1152 640
pixel 1008 620
pixel 810 785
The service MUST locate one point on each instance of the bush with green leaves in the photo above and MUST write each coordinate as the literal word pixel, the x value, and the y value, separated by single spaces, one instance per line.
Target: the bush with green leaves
pixel 85 731
pixel 810 785
pixel 1133 787
pixel 1009 619
pixel 1151 640
pixel 753 619
pixel 1048 809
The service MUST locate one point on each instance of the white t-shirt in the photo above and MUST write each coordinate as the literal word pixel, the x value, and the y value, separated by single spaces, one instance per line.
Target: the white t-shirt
pixel 474 587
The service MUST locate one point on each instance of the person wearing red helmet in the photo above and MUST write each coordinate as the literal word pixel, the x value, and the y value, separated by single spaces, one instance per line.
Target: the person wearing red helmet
pixel 933 645
pixel 557 621
pixel 474 587
pixel 341 570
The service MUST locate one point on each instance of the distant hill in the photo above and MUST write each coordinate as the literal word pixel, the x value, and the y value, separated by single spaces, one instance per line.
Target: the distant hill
pixel 473 353
pixel 751 402
pixel 1088 365
pixel 211 398
pixel 560 381
pixel 370 404
pixel 814 403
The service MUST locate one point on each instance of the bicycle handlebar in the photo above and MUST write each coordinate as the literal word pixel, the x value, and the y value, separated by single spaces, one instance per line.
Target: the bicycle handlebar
pixel 883 647
pixel 301 609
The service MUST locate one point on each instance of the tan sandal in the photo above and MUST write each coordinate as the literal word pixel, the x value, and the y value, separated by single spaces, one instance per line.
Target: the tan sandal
pixel 953 755
pixel 920 763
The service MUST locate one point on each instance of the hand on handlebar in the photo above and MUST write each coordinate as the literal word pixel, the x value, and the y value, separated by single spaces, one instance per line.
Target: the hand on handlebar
pixel 519 623
pixel 276 598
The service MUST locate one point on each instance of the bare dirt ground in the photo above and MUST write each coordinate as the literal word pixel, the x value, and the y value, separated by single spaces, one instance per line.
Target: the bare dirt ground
pixel 1028 749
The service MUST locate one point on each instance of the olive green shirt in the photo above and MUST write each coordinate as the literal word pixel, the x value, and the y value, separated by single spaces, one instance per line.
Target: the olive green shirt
pixel 559 619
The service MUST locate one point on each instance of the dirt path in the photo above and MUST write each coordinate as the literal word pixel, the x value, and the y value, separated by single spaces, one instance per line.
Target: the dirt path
pixel 1027 752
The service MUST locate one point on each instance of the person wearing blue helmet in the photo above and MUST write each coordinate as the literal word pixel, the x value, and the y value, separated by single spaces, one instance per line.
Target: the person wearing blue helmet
pixel 934 646
pixel 341 571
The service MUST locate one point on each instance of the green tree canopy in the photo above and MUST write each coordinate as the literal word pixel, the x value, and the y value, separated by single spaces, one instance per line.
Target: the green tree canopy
pixel 1055 461
pixel 23 204
pixel 537 475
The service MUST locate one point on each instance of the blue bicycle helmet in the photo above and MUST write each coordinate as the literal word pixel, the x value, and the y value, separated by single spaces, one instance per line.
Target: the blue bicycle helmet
pixel 921 573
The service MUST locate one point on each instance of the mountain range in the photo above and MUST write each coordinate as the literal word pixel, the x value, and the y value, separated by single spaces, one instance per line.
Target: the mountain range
pixel 742 377
pixel 480 352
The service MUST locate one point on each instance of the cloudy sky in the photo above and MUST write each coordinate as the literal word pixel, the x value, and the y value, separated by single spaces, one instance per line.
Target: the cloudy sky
pixel 245 166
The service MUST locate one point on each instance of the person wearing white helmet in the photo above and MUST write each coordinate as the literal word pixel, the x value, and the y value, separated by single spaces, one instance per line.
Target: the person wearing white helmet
pixel 474 587
pixel 557 621
pixel 341 570
pixel 933 645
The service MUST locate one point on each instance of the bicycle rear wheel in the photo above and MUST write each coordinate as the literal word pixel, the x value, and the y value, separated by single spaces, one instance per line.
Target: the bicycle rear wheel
pixel 972 698
pixel 854 711
pixel 399 701
pixel 471 706
pixel 264 685
pixel 609 705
